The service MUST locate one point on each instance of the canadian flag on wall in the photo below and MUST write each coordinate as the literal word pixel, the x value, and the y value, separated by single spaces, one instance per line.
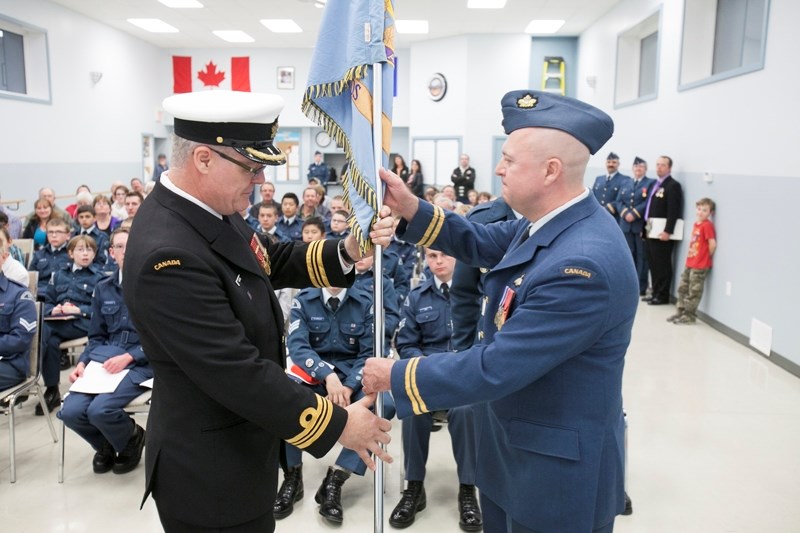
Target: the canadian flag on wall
pixel 211 75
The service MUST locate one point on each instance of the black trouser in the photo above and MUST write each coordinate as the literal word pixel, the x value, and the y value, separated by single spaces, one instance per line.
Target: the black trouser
pixel 659 257
pixel 263 524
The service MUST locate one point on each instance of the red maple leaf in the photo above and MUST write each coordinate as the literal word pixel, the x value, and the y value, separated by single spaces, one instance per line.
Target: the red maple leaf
pixel 210 76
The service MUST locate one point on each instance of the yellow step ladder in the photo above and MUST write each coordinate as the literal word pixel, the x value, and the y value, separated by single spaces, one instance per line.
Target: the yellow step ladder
pixel 553 75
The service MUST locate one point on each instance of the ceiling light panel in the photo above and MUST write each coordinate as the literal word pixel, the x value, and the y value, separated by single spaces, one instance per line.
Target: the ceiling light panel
pixel 233 36
pixel 154 25
pixel 544 26
pixel 281 25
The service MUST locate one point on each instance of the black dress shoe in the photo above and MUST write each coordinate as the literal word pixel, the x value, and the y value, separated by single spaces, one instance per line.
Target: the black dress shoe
pixel 412 501
pixel 52 397
pixel 329 495
pixel 628 505
pixel 646 298
pixel 469 512
pixel 103 460
pixel 129 457
pixel 291 491
pixel 656 301
pixel 18 400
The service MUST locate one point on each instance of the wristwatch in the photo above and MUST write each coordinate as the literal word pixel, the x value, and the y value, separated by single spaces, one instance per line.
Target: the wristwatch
pixel 345 256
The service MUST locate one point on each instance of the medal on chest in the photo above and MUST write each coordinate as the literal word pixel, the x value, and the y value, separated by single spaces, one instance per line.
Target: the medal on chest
pixel 504 308
pixel 261 253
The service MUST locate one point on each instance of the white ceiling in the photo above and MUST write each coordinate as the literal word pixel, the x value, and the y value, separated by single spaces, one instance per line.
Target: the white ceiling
pixel 446 17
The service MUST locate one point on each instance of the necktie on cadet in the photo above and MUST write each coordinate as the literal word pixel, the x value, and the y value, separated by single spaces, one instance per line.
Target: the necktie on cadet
pixel 445 291
pixel 333 303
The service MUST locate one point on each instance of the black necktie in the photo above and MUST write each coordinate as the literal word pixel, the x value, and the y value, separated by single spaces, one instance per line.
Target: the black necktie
pixel 333 303
pixel 445 291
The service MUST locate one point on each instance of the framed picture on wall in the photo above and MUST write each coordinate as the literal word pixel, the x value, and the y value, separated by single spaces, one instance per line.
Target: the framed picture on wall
pixel 285 77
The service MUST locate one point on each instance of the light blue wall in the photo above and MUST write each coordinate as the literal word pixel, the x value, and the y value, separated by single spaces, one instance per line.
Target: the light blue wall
pixel 566 47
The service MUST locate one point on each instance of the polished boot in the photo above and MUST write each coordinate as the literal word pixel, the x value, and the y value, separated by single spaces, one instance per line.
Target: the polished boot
pixel 329 495
pixel 130 456
pixel 628 505
pixel 103 460
pixel 412 501
pixel 291 491
pixel 469 512
pixel 52 397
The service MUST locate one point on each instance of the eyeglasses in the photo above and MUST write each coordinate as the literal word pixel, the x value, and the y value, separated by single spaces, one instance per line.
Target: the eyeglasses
pixel 118 246
pixel 338 221
pixel 56 232
pixel 254 171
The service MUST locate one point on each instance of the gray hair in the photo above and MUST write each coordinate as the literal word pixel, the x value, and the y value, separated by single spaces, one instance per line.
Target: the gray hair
pixel 182 150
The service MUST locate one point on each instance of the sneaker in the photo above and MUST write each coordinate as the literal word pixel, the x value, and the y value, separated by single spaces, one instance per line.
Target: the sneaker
pixel 686 319
pixel 675 317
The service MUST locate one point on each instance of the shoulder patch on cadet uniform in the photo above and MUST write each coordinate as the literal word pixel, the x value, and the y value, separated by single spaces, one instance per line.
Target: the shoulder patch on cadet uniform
pixel 29 326
pixel 26 295
pixel 167 263
pixel 295 303
pixel 293 326
pixel 576 271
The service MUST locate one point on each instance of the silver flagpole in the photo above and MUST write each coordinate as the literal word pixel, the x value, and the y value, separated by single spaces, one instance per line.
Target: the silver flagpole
pixel 377 139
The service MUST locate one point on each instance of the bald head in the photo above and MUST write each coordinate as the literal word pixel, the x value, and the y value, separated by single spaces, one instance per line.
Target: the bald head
pixel 547 143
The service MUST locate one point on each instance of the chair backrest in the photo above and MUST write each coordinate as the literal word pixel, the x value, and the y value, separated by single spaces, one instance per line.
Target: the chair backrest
pixel 33 282
pixel 26 247
pixel 35 367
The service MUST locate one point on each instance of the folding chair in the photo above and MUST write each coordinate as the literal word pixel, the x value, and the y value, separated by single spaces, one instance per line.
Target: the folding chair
pixel 30 385
pixel 26 247
pixel 139 405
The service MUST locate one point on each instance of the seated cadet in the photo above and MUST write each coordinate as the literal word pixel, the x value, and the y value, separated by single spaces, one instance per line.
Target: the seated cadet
pixel 53 255
pixel 426 328
pixel 365 280
pixel 330 338
pixel 407 252
pixel 12 269
pixel 113 342
pixel 290 225
pixel 313 229
pixel 267 222
pixel 85 218
pixel 67 309
pixel 337 204
pixel 17 327
pixel 339 227
pixel 393 267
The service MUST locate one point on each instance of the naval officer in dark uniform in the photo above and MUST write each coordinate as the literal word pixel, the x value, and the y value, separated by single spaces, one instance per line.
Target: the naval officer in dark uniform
pixel 607 186
pixel 557 317
pixel 199 285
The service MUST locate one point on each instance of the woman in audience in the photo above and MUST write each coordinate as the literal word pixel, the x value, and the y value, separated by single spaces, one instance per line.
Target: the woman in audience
pixel 399 167
pixel 104 220
pixel 113 342
pixel 415 179
pixel 79 197
pixel 472 197
pixel 118 207
pixel 36 228
pixel 67 309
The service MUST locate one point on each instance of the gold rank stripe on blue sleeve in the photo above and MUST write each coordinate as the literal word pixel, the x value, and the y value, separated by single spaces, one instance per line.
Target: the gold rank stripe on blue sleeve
pixel 417 405
pixel 435 226
pixel 314 421
pixel 316 269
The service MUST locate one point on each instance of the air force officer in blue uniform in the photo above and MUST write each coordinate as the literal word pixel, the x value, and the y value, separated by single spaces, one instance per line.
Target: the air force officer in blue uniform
pixel 557 316
pixel 631 203
pixel 607 186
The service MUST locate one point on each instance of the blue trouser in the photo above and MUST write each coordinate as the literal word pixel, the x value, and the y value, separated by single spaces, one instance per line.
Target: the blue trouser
pixel 53 334
pixel 496 520
pixel 99 418
pixel 416 441
pixel 9 376
pixel 636 244
pixel 348 459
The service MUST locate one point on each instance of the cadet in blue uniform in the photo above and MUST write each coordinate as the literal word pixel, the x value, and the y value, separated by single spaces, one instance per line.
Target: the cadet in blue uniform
pixel 17 327
pixel 393 267
pixel 631 203
pixel 67 309
pixel 427 328
pixel 53 255
pixel 556 323
pixel 330 337
pixel 199 286
pixel 290 225
pixel 85 218
pixel 113 342
pixel 319 170
pixel 607 186
pixel 408 255
pixel 365 280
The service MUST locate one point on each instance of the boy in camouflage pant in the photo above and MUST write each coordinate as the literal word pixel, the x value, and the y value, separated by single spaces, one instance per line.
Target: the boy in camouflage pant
pixel 698 264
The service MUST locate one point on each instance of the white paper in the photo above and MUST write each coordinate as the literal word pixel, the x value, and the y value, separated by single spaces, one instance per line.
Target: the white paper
pixel 656 227
pixel 147 383
pixel 97 380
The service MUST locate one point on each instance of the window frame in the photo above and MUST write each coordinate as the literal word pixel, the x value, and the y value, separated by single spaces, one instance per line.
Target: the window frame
pixel 36 47
pixel 631 38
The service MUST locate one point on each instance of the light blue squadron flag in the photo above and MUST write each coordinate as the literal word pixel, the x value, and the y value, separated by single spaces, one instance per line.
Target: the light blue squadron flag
pixel 353 36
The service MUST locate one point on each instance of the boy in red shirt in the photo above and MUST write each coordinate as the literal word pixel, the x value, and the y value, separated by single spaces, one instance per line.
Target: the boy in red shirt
pixel 698 264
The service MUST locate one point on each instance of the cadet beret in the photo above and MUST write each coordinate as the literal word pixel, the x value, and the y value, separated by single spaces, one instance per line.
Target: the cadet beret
pixel 245 121
pixel 612 157
pixel 639 161
pixel 537 109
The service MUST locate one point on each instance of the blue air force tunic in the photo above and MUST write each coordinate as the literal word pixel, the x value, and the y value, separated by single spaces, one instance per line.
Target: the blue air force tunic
pixel 556 322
